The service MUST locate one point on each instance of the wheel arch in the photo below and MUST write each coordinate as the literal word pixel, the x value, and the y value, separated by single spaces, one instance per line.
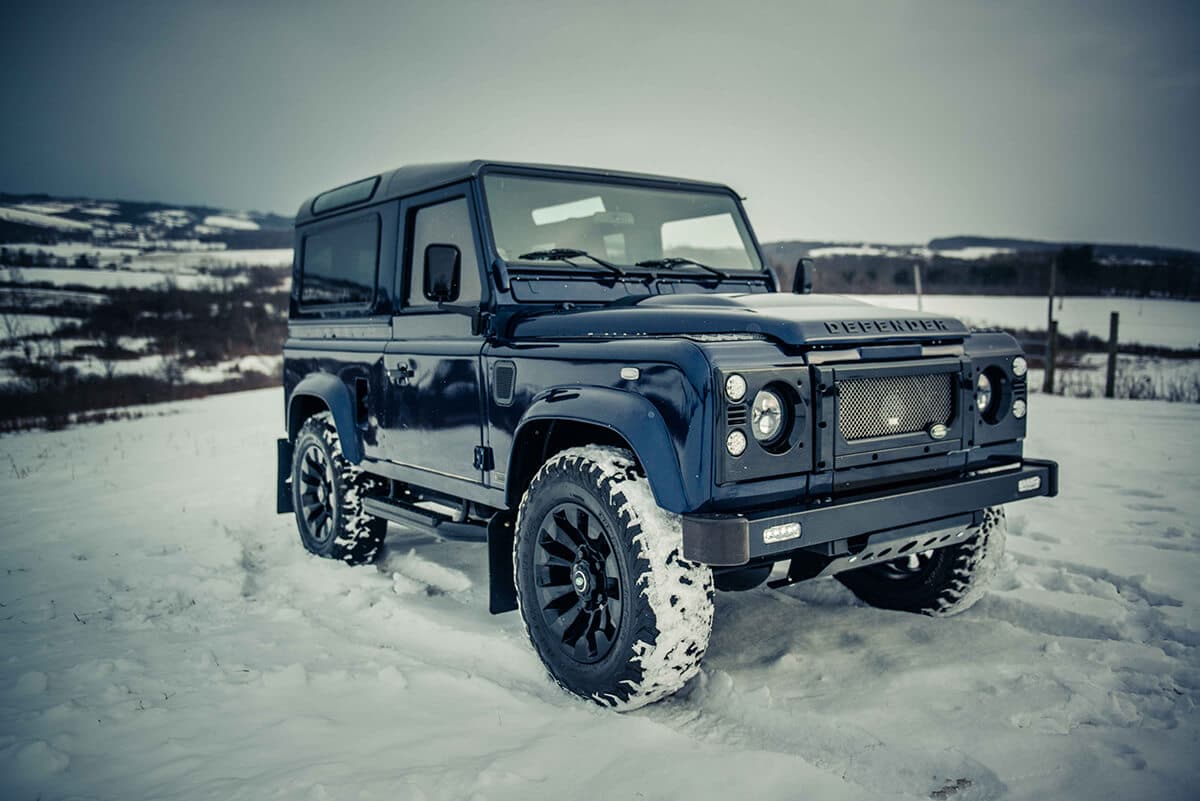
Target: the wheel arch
pixel 597 416
pixel 319 392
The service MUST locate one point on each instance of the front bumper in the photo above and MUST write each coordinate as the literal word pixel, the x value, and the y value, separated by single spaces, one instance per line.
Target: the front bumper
pixel 735 539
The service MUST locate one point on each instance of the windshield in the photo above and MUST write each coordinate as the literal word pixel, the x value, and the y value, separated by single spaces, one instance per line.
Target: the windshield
pixel 619 223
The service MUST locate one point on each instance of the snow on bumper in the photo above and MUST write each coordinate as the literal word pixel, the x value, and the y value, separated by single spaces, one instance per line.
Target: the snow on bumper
pixel 735 539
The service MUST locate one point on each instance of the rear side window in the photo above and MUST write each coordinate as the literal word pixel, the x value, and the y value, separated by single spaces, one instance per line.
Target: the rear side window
pixel 340 263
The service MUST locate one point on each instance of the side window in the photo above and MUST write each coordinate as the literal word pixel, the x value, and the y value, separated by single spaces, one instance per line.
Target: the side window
pixel 447 223
pixel 340 263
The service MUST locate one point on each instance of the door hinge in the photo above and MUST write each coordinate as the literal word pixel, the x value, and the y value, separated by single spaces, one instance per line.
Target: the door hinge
pixel 484 460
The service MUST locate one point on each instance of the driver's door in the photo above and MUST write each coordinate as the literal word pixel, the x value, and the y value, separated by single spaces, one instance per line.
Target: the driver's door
pixel 433 403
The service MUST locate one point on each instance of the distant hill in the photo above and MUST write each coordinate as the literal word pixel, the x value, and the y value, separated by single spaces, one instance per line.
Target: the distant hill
pixel 50 220
pixel 992 265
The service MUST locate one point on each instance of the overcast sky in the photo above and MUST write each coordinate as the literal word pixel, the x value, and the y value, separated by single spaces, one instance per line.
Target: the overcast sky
pixel 885 121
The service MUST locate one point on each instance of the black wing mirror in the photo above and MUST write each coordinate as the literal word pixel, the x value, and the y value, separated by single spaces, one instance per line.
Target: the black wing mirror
pixel 443 273
pixel 802 281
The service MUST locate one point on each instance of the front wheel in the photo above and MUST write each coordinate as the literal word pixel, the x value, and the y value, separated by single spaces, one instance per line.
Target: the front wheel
pixel 610 606
pixel 937 583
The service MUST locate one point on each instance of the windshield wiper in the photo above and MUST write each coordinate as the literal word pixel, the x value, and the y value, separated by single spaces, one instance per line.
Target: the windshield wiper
pixel 676 261
pixel 566 254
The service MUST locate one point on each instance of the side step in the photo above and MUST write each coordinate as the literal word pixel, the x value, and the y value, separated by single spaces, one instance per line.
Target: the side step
pixel 424 520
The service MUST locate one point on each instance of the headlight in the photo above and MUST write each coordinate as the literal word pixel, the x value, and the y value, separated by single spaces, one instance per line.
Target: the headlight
pixel 1019 408
pixel 735 443
pixel 766 416
pixel 1020 367
pixel 983 392
pixel 735 387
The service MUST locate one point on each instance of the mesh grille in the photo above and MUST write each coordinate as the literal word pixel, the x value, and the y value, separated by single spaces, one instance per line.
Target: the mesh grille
pixel 902 404
pixel 502 389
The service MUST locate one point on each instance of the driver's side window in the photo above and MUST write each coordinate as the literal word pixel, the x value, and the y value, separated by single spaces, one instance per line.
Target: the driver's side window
pixel 445 223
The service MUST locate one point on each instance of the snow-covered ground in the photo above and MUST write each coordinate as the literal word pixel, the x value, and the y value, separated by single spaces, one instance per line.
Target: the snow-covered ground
pixel 111 279
pixel 1169 323
pixel 166 637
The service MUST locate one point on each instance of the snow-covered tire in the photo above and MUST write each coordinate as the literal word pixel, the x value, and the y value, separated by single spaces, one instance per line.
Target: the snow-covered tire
pixel 327 493
pixel 945 582
pixel 642 636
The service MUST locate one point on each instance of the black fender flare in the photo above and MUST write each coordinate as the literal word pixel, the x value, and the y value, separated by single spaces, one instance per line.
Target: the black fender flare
pixel 336 396
pixel 632 417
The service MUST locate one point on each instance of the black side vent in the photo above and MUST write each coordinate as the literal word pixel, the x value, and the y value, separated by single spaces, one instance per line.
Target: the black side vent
pixel 736 415
pixel 504 381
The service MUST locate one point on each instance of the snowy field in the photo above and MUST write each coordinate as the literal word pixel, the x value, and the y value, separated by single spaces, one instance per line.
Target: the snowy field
pixel 112 279
pixel 166 637
pixel 1169 323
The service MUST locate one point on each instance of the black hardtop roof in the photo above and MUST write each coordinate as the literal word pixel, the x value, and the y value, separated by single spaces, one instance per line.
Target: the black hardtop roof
pixel 414 178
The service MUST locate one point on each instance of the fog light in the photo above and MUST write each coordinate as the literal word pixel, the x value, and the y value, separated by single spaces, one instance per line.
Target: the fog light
pixel 787 531
pixel 1019 408
pixel 1020 367
pixel 1029 484
pixel 735 443
pixel 735 387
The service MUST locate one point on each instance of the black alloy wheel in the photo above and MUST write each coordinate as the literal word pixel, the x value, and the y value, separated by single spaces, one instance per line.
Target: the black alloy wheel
pixel 578 582
pixel 316 494
pixel 328 493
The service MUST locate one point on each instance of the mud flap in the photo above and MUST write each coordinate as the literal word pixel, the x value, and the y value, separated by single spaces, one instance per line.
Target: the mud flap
pixel 283 477
pixel 502 590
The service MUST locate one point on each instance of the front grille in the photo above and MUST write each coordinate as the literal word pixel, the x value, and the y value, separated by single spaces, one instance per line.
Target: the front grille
pixel 899 404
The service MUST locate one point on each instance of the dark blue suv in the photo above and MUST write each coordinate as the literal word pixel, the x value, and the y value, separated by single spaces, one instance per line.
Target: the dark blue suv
pixel 596 373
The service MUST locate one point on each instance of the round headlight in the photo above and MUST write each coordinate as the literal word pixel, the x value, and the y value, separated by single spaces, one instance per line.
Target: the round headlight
pixel 735 387
pixel 1020 367
pixel 766 416
pixel 735 443
pixel 983 392
pixel 1019 408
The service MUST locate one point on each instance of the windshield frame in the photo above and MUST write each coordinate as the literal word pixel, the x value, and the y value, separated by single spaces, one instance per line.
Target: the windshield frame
pixel 583 268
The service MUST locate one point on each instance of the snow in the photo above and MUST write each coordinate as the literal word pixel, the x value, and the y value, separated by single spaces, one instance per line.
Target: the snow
pixel 1170 323
pixel 109 279
pixel 973 253
pixel 166 636
pixel 41 220
pixel 236 223
pixel 857 250
pixel 269 257
pixel 24 325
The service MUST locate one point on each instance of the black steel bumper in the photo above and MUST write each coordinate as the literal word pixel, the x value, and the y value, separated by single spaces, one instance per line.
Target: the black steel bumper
pixel 735 539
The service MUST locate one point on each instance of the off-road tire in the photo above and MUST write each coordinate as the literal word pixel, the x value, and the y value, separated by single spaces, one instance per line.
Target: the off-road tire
pixel 350 534
pixel 666 609
pixel 949 580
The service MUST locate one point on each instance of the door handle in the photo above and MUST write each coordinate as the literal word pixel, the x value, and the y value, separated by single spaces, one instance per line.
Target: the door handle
pixel 400 374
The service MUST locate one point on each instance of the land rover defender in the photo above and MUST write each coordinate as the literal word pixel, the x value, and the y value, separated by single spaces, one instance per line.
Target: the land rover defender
pixel 596 374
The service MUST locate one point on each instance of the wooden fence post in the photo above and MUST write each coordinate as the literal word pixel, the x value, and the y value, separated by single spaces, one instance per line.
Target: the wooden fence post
pixel 1051 353
pixel 1110 380
pixel 1051 332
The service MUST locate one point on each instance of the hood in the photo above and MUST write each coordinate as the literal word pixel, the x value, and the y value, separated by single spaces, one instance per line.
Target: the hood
pixel 788 318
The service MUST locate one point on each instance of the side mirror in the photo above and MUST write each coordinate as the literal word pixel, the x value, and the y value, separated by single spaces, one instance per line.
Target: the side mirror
pixel 802 281
pixel 443 271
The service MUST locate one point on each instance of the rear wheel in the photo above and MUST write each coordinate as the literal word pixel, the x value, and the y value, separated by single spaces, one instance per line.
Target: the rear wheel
pixel 937 583
pixel 327 493
pixel 612 609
